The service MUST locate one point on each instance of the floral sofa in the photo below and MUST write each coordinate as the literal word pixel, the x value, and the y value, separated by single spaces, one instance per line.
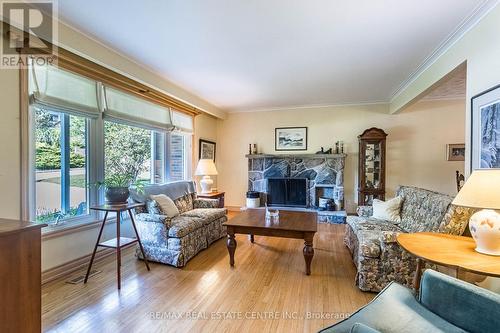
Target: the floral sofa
pixel 175 241
pixel 372 242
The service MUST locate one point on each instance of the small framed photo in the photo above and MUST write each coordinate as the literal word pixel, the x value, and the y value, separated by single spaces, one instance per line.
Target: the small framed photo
pixel 455 152
pixel 290 138
pixel 207 150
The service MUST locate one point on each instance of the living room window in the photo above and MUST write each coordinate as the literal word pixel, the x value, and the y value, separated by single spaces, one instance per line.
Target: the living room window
pixel 82 131
pixel 60 165
pixel 179 161
pixel 136 150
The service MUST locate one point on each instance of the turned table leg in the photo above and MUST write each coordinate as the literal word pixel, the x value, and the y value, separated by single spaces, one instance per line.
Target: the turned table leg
pixel 308 252
pixel 231 247
pixel 418 275
pixel 251 238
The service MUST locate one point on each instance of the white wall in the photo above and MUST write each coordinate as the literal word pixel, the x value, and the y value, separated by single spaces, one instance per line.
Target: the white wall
pixel 10 178
pixel 205 128
pixel 416 143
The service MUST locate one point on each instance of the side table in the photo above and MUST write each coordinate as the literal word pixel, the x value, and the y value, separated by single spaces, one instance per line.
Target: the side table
pixel 456 252
pixel 213 195
pixel 119 242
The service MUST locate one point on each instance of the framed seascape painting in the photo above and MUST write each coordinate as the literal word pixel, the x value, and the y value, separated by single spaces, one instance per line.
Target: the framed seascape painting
pixel 485 136
pixel 207 150
pixel 290 138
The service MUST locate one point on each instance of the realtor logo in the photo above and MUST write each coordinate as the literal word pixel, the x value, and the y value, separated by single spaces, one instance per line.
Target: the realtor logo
pixel 28 32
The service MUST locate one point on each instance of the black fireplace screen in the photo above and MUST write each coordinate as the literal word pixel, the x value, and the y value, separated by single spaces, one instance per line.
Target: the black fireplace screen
pixel 287 192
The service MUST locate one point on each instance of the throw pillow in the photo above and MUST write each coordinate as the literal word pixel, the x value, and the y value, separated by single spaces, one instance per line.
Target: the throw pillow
pixel 166 205
pixel 387 210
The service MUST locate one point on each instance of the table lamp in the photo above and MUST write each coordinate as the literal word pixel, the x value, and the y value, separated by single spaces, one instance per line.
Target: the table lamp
pixel 206 168
pixel 482 190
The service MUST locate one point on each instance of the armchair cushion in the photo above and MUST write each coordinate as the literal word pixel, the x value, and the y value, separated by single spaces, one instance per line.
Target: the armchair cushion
pixel 154 218
pixel 206 214
pixel 370 223
pixel 469 307
pixel 205 203
pixel 182 225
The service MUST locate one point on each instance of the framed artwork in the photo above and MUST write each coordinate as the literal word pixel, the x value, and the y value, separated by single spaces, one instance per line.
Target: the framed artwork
pixel 290 138
pixel 207 150
pixel 455 152
pixel 485 134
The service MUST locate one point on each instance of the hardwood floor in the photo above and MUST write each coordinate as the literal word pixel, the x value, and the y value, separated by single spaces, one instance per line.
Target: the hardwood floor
pixel 268 281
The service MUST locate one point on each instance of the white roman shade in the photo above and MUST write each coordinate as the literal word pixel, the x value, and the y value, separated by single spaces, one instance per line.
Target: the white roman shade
pixel 126 108
pixel 182 122
pixel 63 91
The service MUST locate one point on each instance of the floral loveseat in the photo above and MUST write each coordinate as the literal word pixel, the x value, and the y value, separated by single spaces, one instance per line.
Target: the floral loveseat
pixel 175 241
pixel 372 242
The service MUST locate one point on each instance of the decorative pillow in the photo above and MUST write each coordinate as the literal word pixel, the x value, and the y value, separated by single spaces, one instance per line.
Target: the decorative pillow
pixel 166 205
pixel 387 210
pixel 184 203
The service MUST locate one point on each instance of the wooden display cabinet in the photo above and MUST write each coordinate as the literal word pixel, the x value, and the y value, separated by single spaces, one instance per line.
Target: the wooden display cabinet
pixel 371 166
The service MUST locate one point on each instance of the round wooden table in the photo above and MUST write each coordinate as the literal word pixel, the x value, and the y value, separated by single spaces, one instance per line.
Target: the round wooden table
pixel 455 252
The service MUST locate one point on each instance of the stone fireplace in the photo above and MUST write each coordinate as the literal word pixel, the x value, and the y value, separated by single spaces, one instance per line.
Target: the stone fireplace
pixel 324 174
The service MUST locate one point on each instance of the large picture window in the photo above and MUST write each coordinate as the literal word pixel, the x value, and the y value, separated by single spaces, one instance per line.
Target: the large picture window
pixel 134 150
pixel 60 165
pixel 82 132
pixel 178 159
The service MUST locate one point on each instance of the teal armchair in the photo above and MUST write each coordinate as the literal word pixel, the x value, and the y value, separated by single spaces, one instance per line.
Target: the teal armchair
pixel 445 304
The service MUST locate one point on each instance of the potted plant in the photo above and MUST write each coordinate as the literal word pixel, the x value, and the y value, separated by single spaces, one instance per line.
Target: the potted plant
pixel 117 187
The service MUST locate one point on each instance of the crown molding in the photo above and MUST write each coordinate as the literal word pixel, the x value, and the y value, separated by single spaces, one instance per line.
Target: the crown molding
pixel 309 106
pixel 465 26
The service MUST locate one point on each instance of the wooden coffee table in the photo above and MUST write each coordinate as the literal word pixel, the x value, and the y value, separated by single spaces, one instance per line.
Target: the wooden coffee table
pixel 299 225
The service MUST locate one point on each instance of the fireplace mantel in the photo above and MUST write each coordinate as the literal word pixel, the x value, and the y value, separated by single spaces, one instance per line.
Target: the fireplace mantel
pixel 327 156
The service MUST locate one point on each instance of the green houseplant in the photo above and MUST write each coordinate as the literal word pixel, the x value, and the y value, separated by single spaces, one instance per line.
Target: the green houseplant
pixel 117 187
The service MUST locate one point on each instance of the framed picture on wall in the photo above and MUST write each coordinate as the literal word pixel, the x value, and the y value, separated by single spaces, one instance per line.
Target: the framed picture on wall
pixel 290 138
pixel 207 150
pixel 485 125
pixel 455 152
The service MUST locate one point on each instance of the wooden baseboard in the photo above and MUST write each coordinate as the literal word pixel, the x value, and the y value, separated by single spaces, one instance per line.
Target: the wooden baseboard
pixel 74 265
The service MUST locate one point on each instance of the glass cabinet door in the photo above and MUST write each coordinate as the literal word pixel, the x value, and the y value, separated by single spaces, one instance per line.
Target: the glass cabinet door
pixel 372 165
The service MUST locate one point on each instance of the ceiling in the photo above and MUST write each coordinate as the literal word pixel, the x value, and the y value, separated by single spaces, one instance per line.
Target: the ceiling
pixel 263 54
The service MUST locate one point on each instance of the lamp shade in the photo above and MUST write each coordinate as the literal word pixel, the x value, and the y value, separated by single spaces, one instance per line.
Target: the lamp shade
pixel 206 167
pixel 481 190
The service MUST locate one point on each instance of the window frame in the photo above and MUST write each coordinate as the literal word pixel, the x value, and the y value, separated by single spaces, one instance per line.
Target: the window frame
pixel 92 193
pixel 95 161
